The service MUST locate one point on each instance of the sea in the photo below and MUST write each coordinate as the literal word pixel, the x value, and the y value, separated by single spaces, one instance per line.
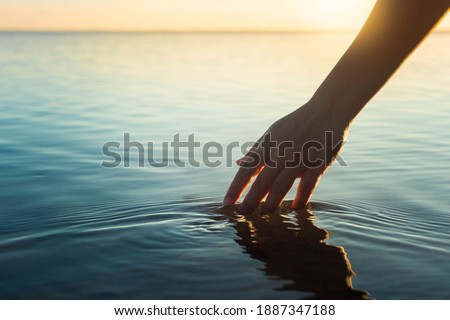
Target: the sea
pixel 96 203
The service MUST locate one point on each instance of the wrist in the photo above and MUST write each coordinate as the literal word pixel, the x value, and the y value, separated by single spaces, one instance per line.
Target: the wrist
pixel 329 112
pixel 340 109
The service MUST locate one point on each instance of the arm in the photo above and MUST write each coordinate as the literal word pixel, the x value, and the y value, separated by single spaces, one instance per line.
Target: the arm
pixel 392 31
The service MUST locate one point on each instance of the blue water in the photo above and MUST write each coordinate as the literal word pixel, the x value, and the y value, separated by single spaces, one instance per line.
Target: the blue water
pixel 71 229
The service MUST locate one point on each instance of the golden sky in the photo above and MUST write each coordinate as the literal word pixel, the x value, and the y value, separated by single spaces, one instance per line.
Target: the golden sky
pixel 185 15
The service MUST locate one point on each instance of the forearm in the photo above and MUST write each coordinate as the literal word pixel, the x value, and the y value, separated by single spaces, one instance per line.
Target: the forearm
pixel 392 31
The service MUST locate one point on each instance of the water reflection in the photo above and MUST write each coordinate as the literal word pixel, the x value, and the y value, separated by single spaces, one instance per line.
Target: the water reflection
pixel 292 248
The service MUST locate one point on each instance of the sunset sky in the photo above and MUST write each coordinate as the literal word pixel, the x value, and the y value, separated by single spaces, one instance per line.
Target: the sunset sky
pixel 185 15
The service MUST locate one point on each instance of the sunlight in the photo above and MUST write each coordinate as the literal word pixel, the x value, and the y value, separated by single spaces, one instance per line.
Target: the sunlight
pixel 186 15
pixel 331 8
pixel 331 14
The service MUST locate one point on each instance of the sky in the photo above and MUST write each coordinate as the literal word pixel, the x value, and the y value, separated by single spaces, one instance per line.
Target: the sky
pixel 186 15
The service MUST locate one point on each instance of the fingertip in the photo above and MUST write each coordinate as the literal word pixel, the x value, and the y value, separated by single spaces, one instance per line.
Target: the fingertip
pixel 271 205
pixel 228 201
pixel 242 209
pixel 268 209
pixel 247 207
pixel 302 202
pixel 298 206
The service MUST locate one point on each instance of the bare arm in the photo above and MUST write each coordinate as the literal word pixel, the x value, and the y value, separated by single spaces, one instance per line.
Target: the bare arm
pixel 392 31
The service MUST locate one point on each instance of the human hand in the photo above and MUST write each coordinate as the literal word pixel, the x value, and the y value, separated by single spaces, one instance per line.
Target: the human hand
pixel 300 145
pixel 392 31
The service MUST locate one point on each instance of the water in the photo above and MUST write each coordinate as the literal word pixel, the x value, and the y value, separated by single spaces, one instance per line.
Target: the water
pixel 72 229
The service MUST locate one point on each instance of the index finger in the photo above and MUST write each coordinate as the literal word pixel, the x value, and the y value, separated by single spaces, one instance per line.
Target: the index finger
pixel 248 169
pixel 240 182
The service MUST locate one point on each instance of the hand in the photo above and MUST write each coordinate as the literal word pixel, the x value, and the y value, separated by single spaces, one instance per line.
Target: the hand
pixel 390 34
pixel 300 145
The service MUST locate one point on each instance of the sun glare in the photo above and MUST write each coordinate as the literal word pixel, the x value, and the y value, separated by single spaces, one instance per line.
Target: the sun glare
pixel 332 14
pixel 186 15
pixel 332 7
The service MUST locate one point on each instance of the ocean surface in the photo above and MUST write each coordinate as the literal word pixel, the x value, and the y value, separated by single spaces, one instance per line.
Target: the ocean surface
pixel 73 228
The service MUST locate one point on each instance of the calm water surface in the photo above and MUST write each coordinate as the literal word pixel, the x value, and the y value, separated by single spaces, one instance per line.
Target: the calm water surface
pixel 71 229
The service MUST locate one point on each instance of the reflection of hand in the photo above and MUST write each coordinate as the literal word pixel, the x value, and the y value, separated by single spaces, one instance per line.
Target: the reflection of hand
pixel 293 248
pixel 300 145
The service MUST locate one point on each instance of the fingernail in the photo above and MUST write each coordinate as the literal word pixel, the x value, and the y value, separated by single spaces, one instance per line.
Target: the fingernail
pixel 241 160
pixel 228 201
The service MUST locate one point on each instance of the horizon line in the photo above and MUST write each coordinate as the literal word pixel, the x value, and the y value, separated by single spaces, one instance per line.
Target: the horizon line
pixel 175 30
pixel 323 30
